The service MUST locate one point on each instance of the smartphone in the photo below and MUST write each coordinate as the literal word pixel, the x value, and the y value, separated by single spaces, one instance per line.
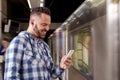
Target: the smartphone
pixel 70 53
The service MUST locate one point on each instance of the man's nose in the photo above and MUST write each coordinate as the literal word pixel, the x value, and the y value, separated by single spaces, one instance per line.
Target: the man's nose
pixel 47 28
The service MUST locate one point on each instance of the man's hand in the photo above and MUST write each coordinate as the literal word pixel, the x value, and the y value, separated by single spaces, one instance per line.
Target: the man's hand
pixel 66 62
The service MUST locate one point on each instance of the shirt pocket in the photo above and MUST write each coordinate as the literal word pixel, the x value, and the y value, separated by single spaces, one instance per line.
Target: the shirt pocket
pixel 31 59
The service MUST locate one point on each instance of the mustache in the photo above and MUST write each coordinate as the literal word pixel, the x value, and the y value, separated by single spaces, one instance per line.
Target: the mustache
pixel 44 30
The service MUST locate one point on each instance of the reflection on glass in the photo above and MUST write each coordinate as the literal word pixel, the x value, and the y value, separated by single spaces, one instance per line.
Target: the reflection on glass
pixel 81 57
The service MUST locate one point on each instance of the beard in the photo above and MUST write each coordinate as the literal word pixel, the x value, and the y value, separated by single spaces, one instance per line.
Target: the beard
pixel 38 34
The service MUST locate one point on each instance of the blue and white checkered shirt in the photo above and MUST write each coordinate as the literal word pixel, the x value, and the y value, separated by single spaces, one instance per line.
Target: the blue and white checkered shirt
pixel 29 59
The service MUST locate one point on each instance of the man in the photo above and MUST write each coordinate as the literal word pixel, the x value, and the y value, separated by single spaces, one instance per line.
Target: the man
pixel 28 56
pixel 3 47
pixel 5 44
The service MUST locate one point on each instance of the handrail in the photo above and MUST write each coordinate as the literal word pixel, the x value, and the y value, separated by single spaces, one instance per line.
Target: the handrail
pixel 84 67
pixel 83 62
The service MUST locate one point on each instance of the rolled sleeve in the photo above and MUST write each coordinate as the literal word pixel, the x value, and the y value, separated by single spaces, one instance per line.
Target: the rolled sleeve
pixel 57 71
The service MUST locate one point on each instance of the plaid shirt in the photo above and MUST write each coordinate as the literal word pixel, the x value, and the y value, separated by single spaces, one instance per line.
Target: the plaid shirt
pixel 28 59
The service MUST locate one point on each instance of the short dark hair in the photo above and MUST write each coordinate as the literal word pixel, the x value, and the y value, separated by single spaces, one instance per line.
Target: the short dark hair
pixel 39 10
pixel 6 39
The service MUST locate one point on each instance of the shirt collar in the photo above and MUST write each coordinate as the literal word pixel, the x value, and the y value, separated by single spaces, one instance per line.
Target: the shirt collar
pixel 31 37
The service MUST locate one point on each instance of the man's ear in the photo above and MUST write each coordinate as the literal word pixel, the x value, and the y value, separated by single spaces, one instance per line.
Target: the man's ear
pixel 32 22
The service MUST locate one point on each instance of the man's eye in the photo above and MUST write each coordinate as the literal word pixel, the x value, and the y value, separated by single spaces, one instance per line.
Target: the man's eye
pixel 44 24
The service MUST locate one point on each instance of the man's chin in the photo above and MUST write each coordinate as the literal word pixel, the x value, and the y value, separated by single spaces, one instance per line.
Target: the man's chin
pixel 42 37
